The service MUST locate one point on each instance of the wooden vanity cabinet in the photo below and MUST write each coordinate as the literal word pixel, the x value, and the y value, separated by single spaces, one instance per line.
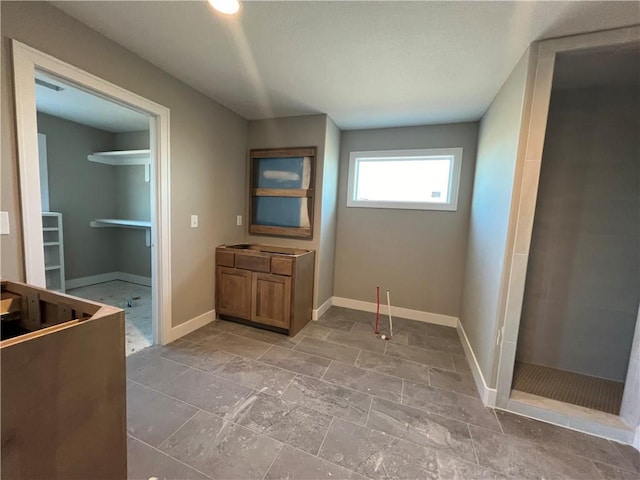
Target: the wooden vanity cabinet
pixel 265 286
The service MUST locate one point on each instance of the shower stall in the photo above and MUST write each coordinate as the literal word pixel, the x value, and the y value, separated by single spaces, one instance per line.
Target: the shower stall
pixel 583 277
pixel 569 339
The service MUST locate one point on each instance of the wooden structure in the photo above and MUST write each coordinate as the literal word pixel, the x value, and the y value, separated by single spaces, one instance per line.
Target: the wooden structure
pixel 265 286
pixel 63 395
pixel 282 191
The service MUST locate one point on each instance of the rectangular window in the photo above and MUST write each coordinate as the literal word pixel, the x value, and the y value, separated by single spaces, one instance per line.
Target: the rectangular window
pixel 405 179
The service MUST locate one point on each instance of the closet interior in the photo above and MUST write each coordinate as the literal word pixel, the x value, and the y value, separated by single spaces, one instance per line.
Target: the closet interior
pixel 95 171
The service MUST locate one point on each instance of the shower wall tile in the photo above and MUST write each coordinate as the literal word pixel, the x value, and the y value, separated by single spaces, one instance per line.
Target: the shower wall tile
pixel 583 275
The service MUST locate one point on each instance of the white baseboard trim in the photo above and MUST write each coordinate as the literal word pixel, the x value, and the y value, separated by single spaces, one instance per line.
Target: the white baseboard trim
pixel 131 278
pixel 487 394
pixel 318 312
pixel 190 325
pixel 91 280
pixel 106 277
pixel 399 312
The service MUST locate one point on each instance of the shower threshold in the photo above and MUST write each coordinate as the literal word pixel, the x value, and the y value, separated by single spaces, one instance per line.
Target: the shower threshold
pixel 570 416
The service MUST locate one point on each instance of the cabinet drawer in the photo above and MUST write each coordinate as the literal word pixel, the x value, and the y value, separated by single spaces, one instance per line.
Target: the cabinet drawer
pixel 282 266
pixel 224 259
pixel 254 263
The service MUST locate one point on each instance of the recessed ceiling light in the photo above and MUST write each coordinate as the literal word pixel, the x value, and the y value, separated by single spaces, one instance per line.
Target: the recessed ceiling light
pixel 228 7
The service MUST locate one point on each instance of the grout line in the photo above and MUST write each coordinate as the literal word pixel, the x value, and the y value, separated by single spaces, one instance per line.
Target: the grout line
pixel 170 456
pixel 265 352
pixel 402 393
pixel 325 436
pixel 266 472
pixel 326 370
pixel 179 428
pixel 355 362
pixel 473 445
pixel 287 387
pixel 366 423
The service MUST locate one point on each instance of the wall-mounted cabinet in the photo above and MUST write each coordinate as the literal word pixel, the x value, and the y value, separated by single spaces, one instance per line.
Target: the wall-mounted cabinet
pixel 282 193
pixel 265 286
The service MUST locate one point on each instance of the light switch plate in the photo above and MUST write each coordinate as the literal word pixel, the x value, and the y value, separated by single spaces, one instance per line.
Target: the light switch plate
pixel 194 221
pixel 239 220
pixel 4 223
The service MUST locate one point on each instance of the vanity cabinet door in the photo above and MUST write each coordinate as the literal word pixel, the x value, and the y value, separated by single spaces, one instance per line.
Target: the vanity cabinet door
pixel 234 292
pixel 271 303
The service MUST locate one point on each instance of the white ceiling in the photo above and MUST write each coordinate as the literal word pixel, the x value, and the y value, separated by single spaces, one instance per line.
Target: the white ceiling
pixel 85 108
pixel 366 64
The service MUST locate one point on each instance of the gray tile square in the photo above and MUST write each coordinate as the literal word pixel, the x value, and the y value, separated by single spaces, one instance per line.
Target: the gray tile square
pixel 358 340
pixel 297 362
pixel 313 330
pixel 449 404
pixel 442 344
pixel 256 375
pixel 329 398
pixel 288 422
pixel 152 416
pixel 151 370
pixel 337 318
pixel 421 355
pixel 205 391
pixel 144 462
pixel 266 336
pixel 563 439
pixel 366 381
pixel 610 472
pixel 630 456
pixel 222 326
pixel 455 382
pixel 376 455
pixel 222 449
pixel 202 334
pixel 519 458
pixel 239 345
pixel 461 364
pixel 393 366
pixel 293 464
pixel 332 351
pixel 199 356
pixel 438 433
pixel 452 468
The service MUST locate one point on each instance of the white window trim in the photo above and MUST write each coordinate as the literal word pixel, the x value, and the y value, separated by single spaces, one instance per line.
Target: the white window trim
pixel 454 179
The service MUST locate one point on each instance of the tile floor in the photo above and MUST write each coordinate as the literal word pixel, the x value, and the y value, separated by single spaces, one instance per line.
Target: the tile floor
pixel 334 402
pixel 134 299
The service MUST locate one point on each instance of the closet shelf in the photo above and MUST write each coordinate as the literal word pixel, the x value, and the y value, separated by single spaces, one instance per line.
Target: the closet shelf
pixel 125 157
pixel 122 223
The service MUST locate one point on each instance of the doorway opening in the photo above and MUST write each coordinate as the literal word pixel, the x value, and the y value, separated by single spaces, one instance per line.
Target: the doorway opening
pixel 114 189
pixel 95 161
pixel 582 290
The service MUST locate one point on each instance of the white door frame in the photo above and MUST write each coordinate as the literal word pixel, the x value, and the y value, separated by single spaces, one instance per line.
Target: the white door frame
pixel 25 62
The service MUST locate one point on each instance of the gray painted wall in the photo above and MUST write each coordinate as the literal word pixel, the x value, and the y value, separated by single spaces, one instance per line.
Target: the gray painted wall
pixel 208 147
pixel 498 143
pixel 418 255
pixel 304 131
pixel 82 191
pixel 583 277
pixel 134 202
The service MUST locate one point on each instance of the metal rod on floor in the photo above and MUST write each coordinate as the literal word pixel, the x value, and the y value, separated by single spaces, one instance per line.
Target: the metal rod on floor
pixel 390 320
pixel 377 309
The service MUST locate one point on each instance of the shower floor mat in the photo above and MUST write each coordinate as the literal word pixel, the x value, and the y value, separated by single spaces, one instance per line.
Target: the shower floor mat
pixel 569 387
